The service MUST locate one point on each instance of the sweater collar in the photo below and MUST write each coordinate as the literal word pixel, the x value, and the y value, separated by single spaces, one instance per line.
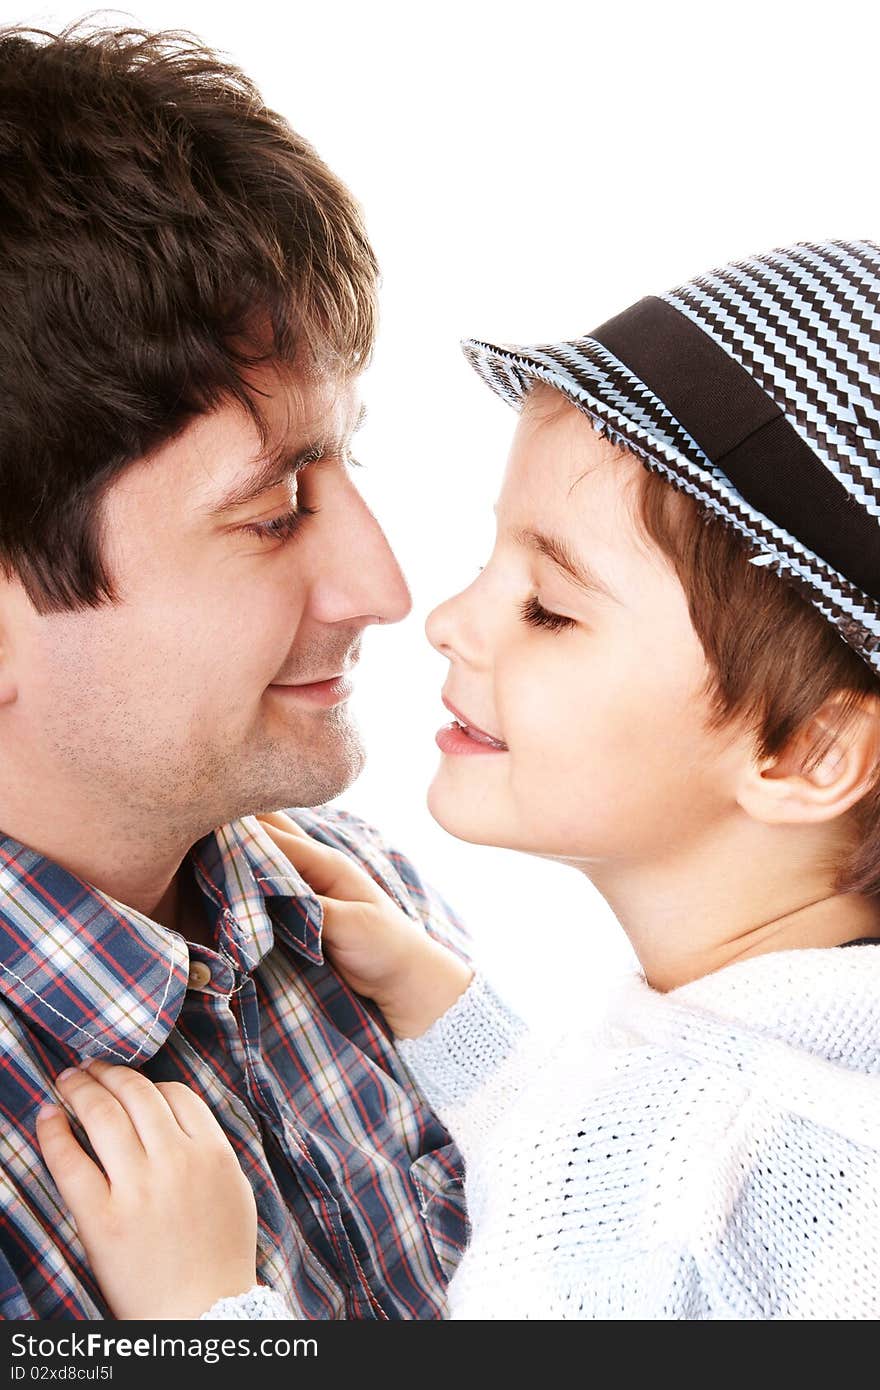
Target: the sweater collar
pixel 821 1001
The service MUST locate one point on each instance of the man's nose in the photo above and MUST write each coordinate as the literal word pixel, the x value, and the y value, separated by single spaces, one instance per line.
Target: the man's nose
pixel 364 583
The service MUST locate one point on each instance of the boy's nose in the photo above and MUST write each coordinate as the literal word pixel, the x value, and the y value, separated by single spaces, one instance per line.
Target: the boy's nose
pixel 448 630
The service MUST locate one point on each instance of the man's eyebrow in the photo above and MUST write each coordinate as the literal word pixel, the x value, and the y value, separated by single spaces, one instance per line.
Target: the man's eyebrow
pixel 283 462
pixel 557 550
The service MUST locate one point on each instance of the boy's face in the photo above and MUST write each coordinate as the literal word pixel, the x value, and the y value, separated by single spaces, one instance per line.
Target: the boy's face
pixel 608 761
pixel 162 708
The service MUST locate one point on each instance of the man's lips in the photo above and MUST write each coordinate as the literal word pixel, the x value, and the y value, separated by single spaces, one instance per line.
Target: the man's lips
pixel 316 680
pixel 329 690
pixel 473 730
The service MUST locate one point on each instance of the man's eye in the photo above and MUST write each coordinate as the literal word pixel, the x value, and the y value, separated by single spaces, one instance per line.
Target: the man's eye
pixel 281 528
pixel 532 612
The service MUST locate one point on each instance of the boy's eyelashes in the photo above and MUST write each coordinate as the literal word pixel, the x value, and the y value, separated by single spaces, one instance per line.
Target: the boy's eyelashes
pixel 533 612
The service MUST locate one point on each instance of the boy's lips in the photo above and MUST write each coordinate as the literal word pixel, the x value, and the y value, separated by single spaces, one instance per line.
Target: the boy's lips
pixel 473 730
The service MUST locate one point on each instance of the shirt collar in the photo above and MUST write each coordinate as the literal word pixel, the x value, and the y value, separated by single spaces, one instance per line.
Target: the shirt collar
pixel 105 980
pixel 245 860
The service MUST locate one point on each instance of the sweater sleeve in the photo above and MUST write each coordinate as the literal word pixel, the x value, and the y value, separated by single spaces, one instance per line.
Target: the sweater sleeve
pixel 259 1302
pixel 473 1063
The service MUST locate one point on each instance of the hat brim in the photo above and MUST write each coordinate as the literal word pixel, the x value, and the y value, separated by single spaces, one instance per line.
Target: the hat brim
pixel 617 401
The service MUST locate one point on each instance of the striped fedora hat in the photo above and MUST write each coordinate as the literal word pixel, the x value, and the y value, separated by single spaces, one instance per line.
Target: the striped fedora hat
pixel 755 389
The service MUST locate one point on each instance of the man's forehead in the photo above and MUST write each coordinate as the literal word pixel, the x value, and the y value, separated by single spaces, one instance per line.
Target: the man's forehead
pixel 333 411
pixel 293 403
pixel 302 426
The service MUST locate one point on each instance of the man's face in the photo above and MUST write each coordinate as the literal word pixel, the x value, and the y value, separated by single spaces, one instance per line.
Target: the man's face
pixel 599 697
pixel 167 704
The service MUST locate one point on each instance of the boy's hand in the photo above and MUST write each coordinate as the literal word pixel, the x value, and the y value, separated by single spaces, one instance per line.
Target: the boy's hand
pixel 170 1225
pixel 379 951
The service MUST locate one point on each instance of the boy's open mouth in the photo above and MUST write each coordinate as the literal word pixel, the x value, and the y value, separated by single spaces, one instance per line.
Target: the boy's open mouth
pixel 471 730
pixel 478 736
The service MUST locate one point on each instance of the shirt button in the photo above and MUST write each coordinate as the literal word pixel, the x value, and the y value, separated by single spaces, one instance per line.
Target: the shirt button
pixel 199 974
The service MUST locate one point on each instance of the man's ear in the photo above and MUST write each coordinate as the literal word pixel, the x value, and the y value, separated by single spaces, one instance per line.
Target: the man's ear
pixel 794 788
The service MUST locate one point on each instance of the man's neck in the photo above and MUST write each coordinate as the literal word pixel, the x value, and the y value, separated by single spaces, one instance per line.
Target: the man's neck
pixel 183 908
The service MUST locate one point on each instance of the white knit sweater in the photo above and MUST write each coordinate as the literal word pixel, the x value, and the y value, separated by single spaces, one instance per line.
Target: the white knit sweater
pixel 711 1152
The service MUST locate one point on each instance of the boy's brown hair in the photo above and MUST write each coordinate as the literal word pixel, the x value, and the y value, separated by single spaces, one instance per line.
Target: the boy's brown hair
pixel 161 231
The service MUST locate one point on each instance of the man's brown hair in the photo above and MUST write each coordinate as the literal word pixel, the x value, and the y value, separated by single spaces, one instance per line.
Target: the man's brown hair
pixel 161 230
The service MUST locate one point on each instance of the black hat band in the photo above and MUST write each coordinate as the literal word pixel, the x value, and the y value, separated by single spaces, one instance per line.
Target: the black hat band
pixel 745 433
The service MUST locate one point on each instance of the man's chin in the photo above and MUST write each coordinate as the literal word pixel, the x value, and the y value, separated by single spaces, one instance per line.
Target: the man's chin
pixel 311 773
pixel 322 782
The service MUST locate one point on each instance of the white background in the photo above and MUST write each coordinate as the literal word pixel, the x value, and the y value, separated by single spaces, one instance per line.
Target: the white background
pixel 526 172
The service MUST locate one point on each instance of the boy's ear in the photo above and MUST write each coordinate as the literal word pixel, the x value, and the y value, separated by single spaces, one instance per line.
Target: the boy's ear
pixel 792 787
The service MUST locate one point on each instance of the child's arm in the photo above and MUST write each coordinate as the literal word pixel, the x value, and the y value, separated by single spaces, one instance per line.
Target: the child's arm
pixel 170 1224
pixel 377 949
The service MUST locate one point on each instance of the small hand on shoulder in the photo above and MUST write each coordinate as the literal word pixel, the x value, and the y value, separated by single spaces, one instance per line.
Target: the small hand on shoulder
pixel 377 949
pixel 168 1221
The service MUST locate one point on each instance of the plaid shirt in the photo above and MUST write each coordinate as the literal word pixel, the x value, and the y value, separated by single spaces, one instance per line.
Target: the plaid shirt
pixel 357 1184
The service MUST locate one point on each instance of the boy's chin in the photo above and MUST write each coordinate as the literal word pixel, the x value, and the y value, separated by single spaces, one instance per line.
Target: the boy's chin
pixel 451 811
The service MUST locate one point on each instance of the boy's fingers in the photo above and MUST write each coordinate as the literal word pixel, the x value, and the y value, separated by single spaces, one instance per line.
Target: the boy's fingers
pixel 78 1179
pixel 111 1132
pixel 283 822
pixel 191 1112
pixel 327 870
pixel 143 1103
